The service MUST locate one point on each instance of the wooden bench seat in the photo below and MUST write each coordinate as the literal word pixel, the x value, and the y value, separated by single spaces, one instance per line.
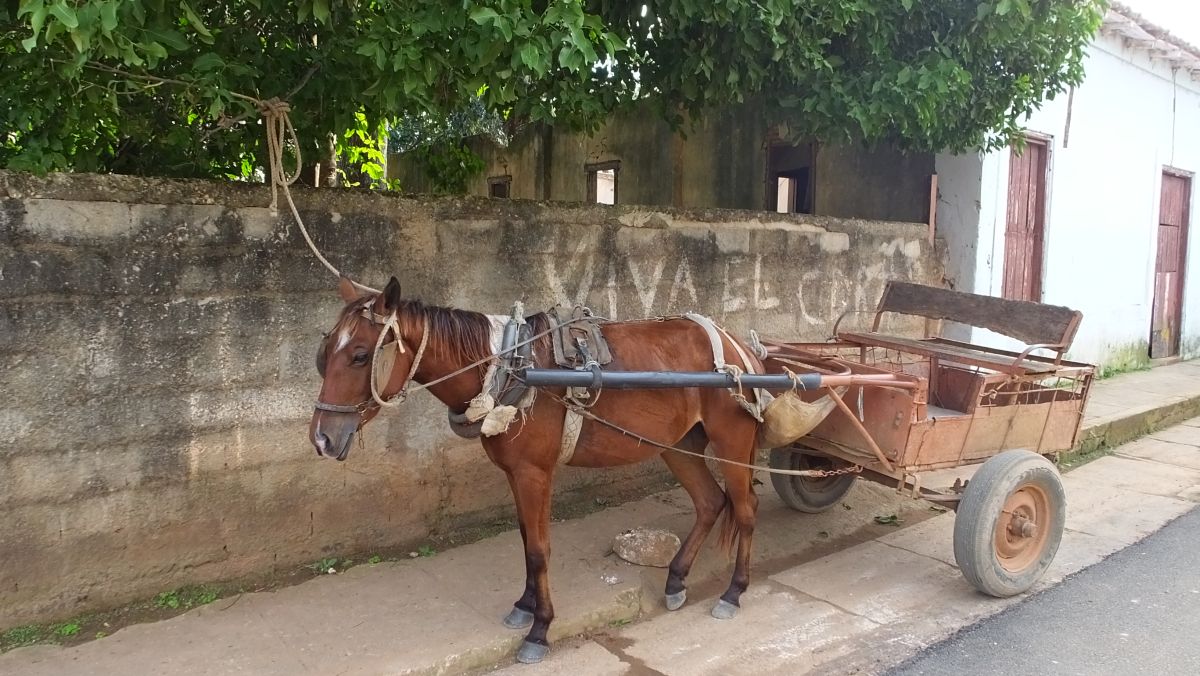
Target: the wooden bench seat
pixel 1039 326
pixel 951 353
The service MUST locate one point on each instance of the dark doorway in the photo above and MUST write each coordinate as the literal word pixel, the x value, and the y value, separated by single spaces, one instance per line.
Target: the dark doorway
pixel 790 180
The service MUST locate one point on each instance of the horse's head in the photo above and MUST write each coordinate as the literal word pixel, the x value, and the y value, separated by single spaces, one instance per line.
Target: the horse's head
pixel 361 346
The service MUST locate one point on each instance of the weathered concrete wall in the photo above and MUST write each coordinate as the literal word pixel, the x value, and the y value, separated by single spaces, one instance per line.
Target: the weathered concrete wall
pixel 858 182
pixel 720 162
pixel 158 338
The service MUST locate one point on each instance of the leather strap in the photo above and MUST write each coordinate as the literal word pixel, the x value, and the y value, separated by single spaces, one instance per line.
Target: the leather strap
pixel 572 425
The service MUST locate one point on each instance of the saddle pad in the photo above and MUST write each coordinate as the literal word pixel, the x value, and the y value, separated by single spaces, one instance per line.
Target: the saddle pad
pixel 580 341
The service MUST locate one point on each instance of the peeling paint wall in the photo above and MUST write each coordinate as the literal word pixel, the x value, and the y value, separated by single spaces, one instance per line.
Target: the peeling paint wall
pixel 1132 117
pixel 720 162
pixel 158 341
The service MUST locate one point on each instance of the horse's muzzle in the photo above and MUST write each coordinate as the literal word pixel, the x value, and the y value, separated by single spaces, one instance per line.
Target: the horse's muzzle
pixel 332 435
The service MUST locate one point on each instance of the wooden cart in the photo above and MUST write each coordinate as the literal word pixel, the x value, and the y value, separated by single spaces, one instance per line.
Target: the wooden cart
pixel 951 404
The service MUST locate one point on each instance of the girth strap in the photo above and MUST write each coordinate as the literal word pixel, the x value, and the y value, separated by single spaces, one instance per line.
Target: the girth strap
pixel 715 334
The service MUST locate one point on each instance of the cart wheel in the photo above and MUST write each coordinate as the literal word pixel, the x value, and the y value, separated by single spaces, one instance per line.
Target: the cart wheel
pixel 808 494
pixel 1009 523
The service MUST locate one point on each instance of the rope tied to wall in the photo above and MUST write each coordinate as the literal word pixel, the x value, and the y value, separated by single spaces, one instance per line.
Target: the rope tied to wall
pixel 280 136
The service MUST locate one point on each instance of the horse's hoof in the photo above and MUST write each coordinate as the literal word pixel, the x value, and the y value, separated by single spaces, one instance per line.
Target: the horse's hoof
pixel 675 601
pixel 518 619
pixel 724 610
pixel 532 653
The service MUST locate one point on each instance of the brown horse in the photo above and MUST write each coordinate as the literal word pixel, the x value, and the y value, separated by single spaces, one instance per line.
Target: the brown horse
pixel 529 451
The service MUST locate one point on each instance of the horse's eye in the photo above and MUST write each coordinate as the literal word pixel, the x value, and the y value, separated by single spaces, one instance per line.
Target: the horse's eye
pixel 359 359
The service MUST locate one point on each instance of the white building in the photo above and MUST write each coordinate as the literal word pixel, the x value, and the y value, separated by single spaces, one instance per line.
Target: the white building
pixel 1094 214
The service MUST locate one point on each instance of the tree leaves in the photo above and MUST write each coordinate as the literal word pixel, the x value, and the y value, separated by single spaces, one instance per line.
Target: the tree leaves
pixel 936 74
pixel 65 14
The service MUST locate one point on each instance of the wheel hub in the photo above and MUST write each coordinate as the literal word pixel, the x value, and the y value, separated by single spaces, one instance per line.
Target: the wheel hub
pixel 1020 537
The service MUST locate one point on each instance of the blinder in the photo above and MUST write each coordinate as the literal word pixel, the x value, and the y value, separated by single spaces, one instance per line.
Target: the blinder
pixel 384 361
pixel 382 364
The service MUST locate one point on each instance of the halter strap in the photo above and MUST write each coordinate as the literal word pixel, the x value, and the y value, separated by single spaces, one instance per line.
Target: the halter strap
pixel 400 396
pixel 338 408
pixel 390 325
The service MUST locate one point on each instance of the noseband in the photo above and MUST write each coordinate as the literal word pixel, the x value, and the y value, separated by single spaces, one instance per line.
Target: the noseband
pixel 390 324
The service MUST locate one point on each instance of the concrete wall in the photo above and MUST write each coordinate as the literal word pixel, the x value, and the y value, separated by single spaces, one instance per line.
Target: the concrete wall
pixel 1131 118
pixel 720 162
pixel 858 182
pixel 158 341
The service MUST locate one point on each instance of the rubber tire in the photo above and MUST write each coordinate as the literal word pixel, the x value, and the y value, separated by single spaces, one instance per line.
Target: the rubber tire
pixel 980 509
pixel 801 493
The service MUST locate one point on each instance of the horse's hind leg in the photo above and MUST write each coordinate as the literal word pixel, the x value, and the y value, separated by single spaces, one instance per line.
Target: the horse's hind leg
pixel 744 508
pixel 708 500
pixel 744 505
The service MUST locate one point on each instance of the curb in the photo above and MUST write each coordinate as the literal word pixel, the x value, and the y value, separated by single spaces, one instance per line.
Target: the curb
pixel 1133 425
pixel 623 607
pixel 1103 434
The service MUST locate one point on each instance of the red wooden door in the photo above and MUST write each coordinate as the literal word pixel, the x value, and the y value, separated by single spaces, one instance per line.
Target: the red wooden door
pixel 1169 266
pixel 1025 230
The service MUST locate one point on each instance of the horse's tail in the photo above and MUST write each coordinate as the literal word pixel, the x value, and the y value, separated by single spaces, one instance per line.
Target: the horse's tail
pixel 729 527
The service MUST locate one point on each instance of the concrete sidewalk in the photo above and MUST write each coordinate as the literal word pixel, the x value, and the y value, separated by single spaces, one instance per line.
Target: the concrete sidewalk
pixel 835 591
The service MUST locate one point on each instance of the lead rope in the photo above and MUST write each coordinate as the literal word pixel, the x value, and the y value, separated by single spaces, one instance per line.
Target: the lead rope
pixel 281 133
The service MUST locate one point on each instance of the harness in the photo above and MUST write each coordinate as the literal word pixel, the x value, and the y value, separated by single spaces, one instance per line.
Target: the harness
pixel 502 395
pixel 578 343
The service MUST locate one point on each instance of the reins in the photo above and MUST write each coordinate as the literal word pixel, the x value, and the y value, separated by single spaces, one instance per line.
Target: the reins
pixel 391 324
pixel 586 413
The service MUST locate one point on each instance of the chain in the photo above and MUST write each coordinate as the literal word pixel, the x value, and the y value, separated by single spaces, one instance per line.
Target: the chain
pixel 820 473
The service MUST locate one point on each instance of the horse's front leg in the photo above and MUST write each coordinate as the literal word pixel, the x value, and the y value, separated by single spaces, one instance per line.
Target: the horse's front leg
pixel 521 615
pixel 531 491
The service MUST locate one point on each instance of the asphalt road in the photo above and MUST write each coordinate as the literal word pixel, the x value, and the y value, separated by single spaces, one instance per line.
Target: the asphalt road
pixel 1137 612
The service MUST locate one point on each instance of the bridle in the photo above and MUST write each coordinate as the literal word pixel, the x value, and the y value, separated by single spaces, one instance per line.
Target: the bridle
pixel 390 324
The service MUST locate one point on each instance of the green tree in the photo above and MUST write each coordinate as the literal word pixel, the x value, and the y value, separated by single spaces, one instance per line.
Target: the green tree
pixel 925 74
pixel 168 86
pixel 152 86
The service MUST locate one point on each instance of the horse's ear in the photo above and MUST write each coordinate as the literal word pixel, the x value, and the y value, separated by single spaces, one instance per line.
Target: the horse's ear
pixel 347 290
pixel 391 295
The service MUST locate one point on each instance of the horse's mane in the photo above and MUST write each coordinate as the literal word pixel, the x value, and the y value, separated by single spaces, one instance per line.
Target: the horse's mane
pixel 467 332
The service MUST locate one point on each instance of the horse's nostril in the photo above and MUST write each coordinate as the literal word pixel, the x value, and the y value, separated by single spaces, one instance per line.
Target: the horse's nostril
pixel 322 444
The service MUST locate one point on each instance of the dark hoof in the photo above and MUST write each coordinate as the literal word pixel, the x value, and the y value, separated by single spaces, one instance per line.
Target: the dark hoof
pixel 518 619
pixel 532 653
pixel 675 601
pixel 724 610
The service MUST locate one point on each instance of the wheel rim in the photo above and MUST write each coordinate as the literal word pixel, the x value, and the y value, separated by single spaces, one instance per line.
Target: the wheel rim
pixel 1023 528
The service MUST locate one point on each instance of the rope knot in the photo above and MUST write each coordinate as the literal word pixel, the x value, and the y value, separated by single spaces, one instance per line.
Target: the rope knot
pixel 280 133
pixel 274 106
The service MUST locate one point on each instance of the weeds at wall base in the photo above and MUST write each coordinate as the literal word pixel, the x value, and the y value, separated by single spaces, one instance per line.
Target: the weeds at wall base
pixel 1128 358
pixel 453 533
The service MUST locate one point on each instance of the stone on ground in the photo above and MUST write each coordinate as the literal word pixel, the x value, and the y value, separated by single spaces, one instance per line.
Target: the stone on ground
pixel 646 547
